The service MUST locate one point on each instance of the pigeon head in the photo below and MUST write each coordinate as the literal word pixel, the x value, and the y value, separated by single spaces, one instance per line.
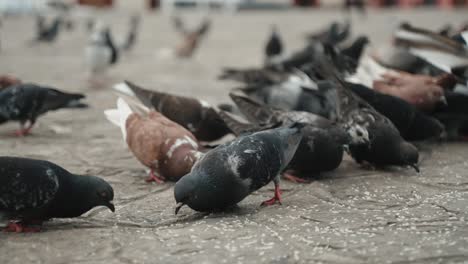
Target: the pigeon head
pixel 362 40
pixel 358 134
pixel 104 194
pixel 184 191
pixel 387 147
pixel 81 194
pixel 55 99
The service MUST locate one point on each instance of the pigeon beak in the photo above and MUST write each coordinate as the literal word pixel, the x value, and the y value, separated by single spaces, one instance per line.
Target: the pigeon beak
pixel 110 206
pixel 178 206
pixel 415 167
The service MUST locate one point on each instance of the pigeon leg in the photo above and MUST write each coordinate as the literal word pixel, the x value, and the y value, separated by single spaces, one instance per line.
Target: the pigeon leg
pixel 277 197
pixel 18 227
pixel 24 131
pixel 295 179
pixel 153 176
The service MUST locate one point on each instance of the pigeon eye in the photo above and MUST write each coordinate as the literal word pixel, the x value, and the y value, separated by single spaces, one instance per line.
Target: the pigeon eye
pixel 103 194
pixel 359 133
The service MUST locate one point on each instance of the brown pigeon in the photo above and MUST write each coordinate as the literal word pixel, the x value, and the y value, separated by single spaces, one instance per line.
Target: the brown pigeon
pixel 168 149
pixel 422 91
pixel 198 116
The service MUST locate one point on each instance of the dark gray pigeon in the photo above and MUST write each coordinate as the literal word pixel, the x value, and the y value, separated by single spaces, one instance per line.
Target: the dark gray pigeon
pixel 322 145
pixel 273 48
pixel 227 174
pixel 374 138
pixel 34 191
pixel 47 34
pixel 26 102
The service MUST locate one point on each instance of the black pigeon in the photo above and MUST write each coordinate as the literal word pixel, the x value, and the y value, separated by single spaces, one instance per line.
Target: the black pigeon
pixel 411 123
pixel 47 34
pixel 374 138
pixel 26 102
pixel 355 50
pixel 321 147
pixel 334 34
pixel 273 48
pixel 227 174
pixel 34 191
pixel 197 116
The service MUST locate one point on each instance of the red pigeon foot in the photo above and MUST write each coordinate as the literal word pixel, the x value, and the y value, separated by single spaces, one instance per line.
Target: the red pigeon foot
pixel 276 198
pixel 153 177
pixel 17 227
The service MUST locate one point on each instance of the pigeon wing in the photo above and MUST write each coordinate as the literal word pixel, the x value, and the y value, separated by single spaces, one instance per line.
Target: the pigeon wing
pixel 26 185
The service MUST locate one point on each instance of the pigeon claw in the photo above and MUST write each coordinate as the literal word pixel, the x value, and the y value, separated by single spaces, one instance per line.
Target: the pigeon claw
pixel 153 177
pixel 276 198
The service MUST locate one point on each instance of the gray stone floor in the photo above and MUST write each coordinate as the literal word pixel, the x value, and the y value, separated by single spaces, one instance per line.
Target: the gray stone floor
pixel 347 216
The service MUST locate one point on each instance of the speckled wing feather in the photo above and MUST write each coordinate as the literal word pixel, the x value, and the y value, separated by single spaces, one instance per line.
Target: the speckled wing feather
pixel 266 116
pixel 17 103
pixel 236 126
pixel 23 186
pixel 351 108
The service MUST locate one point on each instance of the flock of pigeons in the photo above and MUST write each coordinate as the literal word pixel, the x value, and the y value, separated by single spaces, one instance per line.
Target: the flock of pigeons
pixel 295 117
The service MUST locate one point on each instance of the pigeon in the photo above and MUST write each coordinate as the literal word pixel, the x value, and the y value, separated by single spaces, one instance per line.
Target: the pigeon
pixel 410 122
pixel 132 34
pixel 374 138
pixel 424 92
pixel 334 34
pixel 191 39
pixel 444 53
pixel 356 49
pixel 199 117
pixel 100 52
pixel 322 144
pixel 227 174
pixel 47 34
pixel 8 80
pixel 168 149
pixel 27 101
pixel 273 48
pixel 295 91
pixel 33 191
